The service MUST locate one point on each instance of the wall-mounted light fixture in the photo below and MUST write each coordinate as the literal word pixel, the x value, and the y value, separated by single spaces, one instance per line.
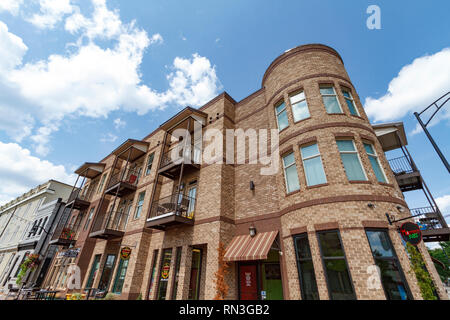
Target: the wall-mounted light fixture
pixel 252 185
pixel 252 231
pixel 400 209
pixel 371 205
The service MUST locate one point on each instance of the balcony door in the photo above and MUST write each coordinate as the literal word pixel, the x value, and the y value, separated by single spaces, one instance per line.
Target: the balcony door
pixel 192 194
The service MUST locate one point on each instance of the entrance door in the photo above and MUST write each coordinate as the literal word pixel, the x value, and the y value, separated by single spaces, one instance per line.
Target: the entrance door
pixel 248 282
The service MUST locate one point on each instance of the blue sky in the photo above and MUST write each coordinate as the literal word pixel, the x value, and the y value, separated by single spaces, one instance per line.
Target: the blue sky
pixel 159 56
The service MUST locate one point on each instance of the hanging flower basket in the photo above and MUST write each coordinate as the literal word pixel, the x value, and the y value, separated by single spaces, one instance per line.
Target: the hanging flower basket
pixel 31 263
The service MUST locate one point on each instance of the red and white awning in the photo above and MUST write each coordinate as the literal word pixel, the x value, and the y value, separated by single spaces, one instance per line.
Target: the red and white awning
pixel 246 248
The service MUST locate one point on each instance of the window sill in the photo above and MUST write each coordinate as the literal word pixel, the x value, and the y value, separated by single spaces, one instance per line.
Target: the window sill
pixel 386 184
pixel 293 192
pixel 299 121
pixel 317 186
pixel 360 182
pixel 336 114
pixel 355 116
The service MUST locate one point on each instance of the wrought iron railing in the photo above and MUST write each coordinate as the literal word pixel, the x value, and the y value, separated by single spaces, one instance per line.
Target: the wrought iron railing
pixel 402 165
pixel 177 203
pixel 177 155
pixel 127 175
pixel 427 218
pixel 80 194
pixel 66 232
pixel 113 220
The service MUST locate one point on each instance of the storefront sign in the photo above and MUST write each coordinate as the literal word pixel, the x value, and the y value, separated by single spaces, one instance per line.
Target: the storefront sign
pixel 125 253
pixel 165 271
pixel 411 233
pixel 71 253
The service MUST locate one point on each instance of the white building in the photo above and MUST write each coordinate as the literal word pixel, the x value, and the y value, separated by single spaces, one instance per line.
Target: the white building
pixel 39 207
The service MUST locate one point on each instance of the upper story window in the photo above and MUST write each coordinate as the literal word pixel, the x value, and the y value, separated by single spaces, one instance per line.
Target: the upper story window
pixel 149 164
pixel 330 99
pixel 290 173
pixel 140 204
pixel 102 182
pixel 42 226
pixel 375 162
pixel 91 214
pixel 350 102
pixel 350 159
pixel 300 109
pixel 313 166
pixel 282 118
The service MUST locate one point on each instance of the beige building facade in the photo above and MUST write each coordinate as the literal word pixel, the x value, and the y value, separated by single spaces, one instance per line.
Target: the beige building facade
pixel 315 229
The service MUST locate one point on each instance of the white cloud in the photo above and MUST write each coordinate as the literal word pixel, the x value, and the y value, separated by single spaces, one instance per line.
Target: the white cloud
pixel 51 13
pixel 443 203
pixel 92 80
pixel 416 86
pixel 108 138
pixel 19 171
pixel 119 123
pixel 11 6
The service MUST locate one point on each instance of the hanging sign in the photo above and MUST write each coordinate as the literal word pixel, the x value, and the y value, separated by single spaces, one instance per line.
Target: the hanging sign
pixel 411 233
pixel 125 253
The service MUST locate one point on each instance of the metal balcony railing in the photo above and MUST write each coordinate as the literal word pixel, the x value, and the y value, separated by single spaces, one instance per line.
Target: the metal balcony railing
pixel 402 165
pixel 66 232
pixel 177 155
pixel 427 218
pixel 127 175
pixel 114 220
pixel 178 204
pixel 78 194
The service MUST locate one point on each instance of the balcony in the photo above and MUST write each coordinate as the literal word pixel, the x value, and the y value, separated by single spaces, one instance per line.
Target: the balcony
pixel 79 200
pixel 406 173
pixel 123 183
pixel 110 225
pixel 432 224
pixel 173 159
pixel 64 235
pixel 176 209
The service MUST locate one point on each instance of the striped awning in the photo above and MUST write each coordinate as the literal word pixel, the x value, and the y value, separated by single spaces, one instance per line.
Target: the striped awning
pixel 246 248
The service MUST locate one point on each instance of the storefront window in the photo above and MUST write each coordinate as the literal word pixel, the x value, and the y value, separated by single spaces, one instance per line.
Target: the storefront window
pixel 120 276
pixel 392 278
pixel 177 273
pixel 153 274
pixel 107 271
pixel 305 266
pixel 194 285
pixel 94 270
pixel 164 273
pixel 337 274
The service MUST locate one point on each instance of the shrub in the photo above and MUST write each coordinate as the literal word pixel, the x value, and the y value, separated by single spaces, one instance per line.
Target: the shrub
pixel 110 296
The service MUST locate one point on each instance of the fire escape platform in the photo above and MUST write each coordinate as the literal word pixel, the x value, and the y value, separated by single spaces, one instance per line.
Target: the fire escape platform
pixel 78 204
pixel 121 189
pixel 62 242
pixel 409 181
pixel 436 235
pixel 163 222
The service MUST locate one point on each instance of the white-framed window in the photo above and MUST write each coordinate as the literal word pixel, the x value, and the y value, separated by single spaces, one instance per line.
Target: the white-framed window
pixel 102 182
pixel 330 99
pixel 149 164
pixel 299 106
pixel 350 102
pixel 290 173
pixel 282 117
pixel 89 218
pixel 351 160
pixel 139 206
pixel 313 166
pixel 375 162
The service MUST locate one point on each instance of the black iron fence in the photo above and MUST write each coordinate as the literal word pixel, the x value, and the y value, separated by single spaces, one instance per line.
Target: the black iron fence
pixel 177 203
pixel 177 155
pixel 402 165
pixel 127 175
pixel 427 218
pixel 112 220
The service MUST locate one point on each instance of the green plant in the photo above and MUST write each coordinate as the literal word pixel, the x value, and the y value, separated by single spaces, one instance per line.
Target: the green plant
pixel 31 263
pixel 423 278
pixel 110 296
pixel 76 296
pixel 139 296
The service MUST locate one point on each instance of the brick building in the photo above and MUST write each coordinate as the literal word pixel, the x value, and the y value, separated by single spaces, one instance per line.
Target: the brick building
pixel 313 230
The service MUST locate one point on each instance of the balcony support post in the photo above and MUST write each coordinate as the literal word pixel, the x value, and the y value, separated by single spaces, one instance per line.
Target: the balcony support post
pixel 182 167
pixel 155 184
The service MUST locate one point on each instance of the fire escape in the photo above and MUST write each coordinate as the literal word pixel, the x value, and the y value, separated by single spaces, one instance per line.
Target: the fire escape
pixel 180 157
pixel 69 224
pixel 434 227
pixel 124 178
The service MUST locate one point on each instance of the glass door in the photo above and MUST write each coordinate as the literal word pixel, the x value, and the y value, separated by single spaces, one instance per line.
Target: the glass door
pixel 194 285
pixel 107 272
pixel 192 193
pixel 94 270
